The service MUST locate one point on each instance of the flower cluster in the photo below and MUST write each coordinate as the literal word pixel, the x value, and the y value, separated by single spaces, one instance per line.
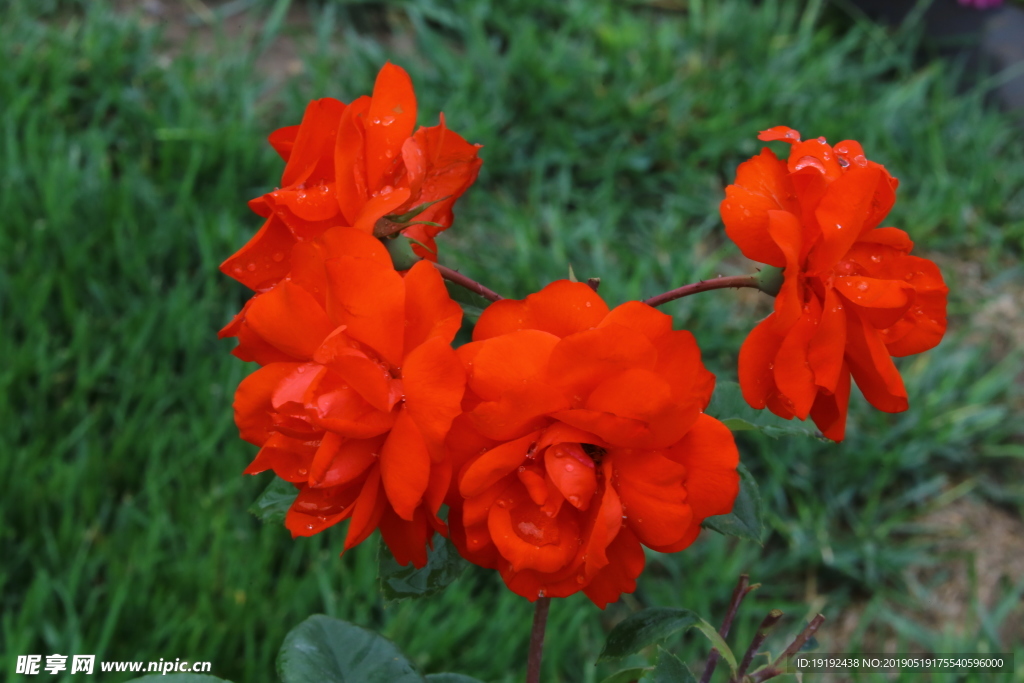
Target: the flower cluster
pixel 852 297
pixel 566 435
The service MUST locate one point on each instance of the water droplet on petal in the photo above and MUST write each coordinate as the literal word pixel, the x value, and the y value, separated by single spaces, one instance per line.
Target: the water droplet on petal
pixel 843 162
pixel 279 256
pixel 522 468
pixel 251 267
pixel 574 500
pixel 540 593
pixel 580 580
pixel 588 304
pixel 303 472
pixel 569 468
pixel 821 140
pixel 876 258
pixel 862 287
pixel 860 160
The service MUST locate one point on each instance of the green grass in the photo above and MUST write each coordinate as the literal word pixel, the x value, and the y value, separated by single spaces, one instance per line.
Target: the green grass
pixel 609 133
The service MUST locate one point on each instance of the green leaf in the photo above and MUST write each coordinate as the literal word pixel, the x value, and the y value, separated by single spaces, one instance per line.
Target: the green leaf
pixel 747 518
pixel 451 678
pixel 444 565
pixel 729 406
pixel 628 675
pixel 273 503
pixel 326 650
pixel 711 633
pixel 472 303
pixel 416 211
pixel 179 678
pixel 645 627
pixel 669 669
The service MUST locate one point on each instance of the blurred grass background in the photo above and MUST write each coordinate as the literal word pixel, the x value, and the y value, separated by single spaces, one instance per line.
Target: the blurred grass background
pixel 131 136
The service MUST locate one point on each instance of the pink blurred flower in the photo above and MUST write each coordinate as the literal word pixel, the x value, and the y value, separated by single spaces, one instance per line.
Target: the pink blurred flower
pixel 981 4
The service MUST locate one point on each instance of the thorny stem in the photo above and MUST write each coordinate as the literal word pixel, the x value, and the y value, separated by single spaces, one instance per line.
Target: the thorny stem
pixel 767 624
pixel 540 620
pixel 703 286
pixel 779 665
pixel 470 284
pixel 738 594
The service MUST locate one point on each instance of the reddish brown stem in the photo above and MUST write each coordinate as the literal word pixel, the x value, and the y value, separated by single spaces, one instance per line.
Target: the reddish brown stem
pixel 738 594
pixel 779 665
pixel 763 630
pixel 540 620
pixel 703 286
pixel 470 284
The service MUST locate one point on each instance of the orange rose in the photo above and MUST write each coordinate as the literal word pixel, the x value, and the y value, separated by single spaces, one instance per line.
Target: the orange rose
pixel 358 390
pixel 583 437
pixel 852 296
pixel 350 166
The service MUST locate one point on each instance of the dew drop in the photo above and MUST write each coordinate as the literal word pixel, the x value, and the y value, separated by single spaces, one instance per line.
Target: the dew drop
pixel 301 368
pixel 588 304
pixel 574 500
pixel 838 227
pixel 580 580
pixel 279 256
pixel 569 467
pixel 876 258
pixel 386 121
pixel 303 472
pixel 540 593
pixel 522 468
pixel 862 287
pixel 251 267
pixel 821 140
pixel 843 162
pixel 860 160
pixel 238 269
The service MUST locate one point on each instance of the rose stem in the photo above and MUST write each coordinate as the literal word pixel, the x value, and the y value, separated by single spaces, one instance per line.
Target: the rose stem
pixel 463 281
pixel 703 286
pixel 540 620
pixel 763 630
pixel 777 666
pixel 737 597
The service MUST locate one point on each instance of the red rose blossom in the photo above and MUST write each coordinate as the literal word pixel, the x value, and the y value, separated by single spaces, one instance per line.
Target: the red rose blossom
pixel 583 437
pixel 358 390
pixel 351 166
pixel 852 296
